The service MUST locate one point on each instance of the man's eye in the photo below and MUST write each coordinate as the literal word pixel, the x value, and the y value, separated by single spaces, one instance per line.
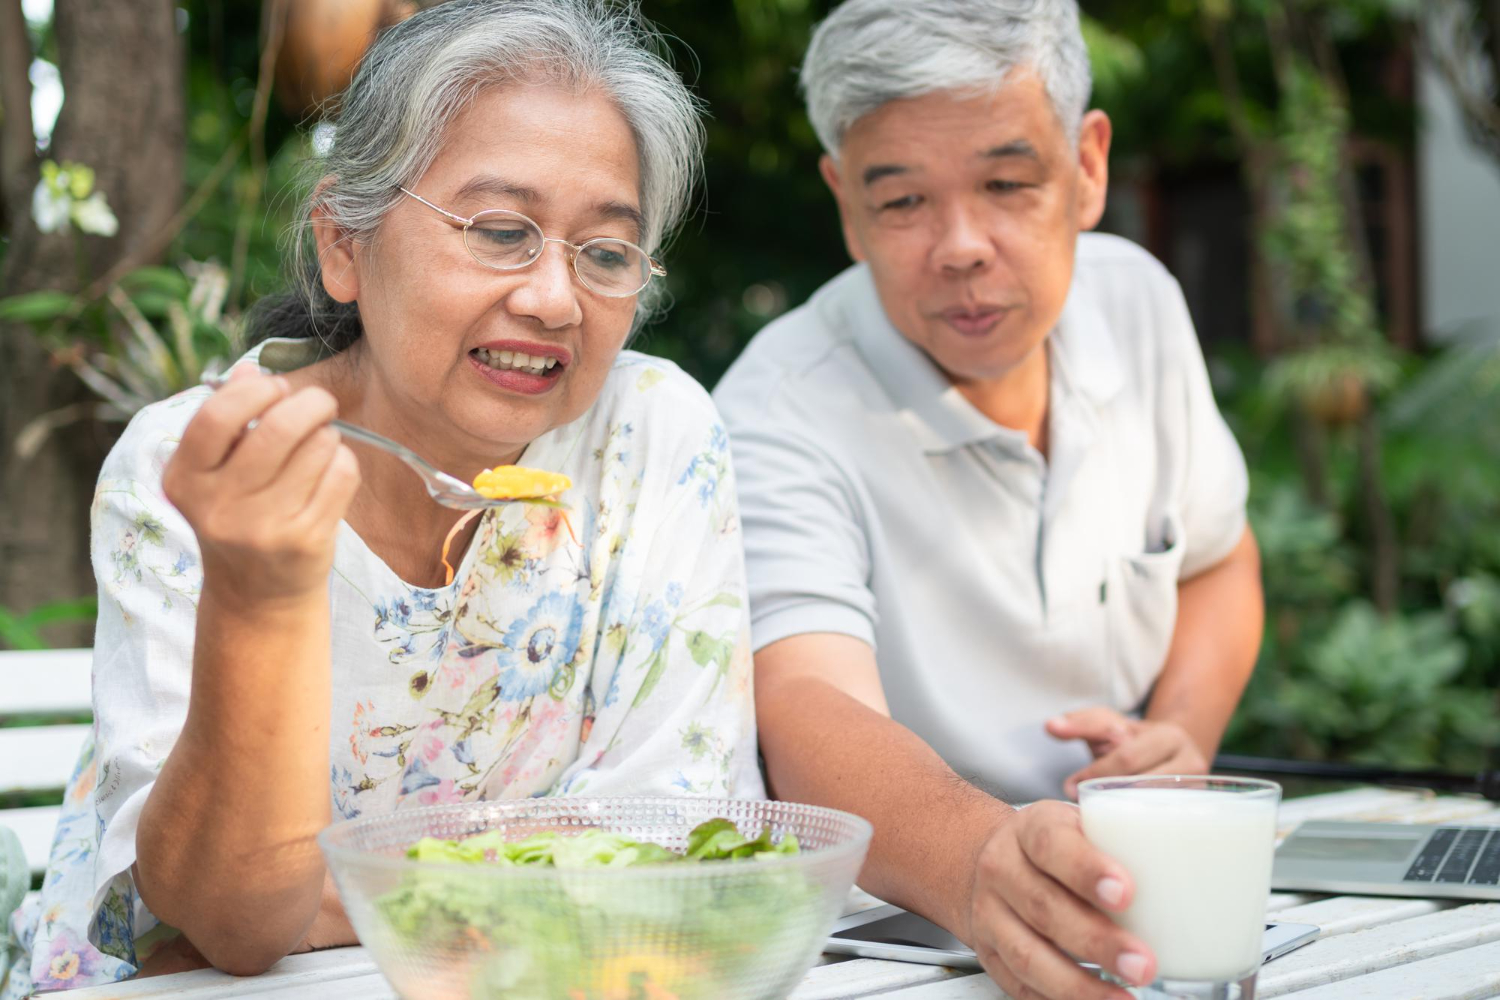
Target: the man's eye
pixel 902 204
pixel 1006 187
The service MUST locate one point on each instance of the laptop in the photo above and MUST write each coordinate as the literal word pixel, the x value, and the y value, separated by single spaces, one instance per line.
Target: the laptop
pixel 1385 859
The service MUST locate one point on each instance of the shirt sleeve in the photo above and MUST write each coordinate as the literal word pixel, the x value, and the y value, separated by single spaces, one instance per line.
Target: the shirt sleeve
pixel 672 687
pixel 1214 484
pixel 807 550
pixel 145 559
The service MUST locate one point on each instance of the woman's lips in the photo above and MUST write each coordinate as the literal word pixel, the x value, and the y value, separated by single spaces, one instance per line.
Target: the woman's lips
pixel 524 382
pixel 974 322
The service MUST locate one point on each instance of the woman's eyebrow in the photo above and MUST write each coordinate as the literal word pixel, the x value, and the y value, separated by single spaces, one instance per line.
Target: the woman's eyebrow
pixel 489 184
pixel 492 185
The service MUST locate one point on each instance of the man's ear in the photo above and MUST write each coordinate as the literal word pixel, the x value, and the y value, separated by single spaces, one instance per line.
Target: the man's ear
pixel 1094 137
pixel 335 250
pixel 829 168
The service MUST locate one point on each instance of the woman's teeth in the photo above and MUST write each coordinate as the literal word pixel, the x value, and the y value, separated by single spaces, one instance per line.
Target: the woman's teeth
pixel 514 361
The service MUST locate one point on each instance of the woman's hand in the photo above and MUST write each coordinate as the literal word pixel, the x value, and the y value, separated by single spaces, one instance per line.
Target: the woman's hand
pixel 1122 746
pixel 264 481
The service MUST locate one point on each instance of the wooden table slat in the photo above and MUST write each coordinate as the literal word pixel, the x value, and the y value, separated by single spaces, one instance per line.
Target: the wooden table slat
pixel 1470 974
pixel 1342 914
pixel 865 976
pixel 1362 952
pixel 295 972
pixel 972 987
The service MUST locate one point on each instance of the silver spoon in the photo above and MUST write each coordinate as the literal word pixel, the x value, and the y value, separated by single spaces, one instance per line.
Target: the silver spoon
pixel 450 491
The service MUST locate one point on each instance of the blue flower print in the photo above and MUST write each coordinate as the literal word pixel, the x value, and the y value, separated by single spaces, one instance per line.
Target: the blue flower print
pixel 417 777
pixel 538 645
pixel 656 623
pixel 343 792
pixel 462 752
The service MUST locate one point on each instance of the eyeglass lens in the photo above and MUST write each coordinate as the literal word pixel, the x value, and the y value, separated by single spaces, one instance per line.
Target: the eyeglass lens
pixel 507 241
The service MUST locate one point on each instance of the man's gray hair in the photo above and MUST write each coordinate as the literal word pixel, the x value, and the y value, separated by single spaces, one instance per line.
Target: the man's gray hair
pixel 417 78
pixel 870 52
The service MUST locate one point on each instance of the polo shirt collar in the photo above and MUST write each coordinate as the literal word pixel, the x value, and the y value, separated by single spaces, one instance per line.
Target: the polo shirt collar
pixel 1085 361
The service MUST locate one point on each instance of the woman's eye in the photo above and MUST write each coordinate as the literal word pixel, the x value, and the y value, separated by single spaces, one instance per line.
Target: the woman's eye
pixel 504 236
pixel 901 204
pixel 607 257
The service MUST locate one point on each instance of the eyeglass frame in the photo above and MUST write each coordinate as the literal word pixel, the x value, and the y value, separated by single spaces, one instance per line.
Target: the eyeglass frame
pixel 655 269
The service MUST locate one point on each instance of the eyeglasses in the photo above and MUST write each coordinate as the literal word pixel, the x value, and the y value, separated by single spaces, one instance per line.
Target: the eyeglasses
pixel 509 241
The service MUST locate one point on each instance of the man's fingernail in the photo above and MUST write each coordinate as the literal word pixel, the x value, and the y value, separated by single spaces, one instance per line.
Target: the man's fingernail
pixel 1110 891
pixel 1132 968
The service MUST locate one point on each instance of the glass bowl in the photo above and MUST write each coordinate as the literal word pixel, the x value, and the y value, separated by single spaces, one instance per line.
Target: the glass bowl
pixel 745 929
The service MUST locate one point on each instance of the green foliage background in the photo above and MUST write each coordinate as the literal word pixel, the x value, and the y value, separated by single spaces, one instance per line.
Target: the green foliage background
pixel 1336 679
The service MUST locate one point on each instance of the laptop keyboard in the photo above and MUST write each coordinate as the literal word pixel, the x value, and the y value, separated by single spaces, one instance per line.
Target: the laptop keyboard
pixel 1459 854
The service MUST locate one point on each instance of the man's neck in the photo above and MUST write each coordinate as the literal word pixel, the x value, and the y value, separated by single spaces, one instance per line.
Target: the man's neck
pixel 1018 399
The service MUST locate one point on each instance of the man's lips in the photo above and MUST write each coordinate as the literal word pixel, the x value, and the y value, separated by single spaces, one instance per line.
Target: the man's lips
pixel 974 322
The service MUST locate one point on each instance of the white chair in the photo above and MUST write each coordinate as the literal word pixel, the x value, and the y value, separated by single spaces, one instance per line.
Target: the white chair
pixel 38 759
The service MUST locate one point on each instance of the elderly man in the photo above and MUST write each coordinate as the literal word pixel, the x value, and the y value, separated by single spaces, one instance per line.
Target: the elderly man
pixel 995 524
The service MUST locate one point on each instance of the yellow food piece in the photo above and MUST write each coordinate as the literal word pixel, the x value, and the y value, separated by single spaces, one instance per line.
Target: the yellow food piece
pixel 515 482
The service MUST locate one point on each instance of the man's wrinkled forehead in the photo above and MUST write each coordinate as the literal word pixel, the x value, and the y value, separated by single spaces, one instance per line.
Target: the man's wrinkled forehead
pixel 1012 123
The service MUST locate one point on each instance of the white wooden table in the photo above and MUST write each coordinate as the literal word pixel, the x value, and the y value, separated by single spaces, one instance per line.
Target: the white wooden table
pixel 1387 948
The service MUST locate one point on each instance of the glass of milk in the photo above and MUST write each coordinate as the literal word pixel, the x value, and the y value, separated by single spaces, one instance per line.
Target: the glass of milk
pixel 1200 850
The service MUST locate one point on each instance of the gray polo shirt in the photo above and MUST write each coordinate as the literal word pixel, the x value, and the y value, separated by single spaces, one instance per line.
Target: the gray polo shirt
pixel 998 588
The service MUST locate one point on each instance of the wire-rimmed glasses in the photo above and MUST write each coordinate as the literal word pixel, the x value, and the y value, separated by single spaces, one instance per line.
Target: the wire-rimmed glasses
pixel 508 241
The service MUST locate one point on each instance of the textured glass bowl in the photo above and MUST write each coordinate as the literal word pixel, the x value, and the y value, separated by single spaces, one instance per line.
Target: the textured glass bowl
pixel 722 930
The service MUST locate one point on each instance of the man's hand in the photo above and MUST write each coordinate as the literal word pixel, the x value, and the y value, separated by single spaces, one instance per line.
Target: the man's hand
pixel 1122 745
pixel 1039 889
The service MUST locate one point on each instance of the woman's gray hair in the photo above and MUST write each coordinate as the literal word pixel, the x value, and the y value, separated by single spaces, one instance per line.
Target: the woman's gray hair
pixel 870 52
pixel 420 74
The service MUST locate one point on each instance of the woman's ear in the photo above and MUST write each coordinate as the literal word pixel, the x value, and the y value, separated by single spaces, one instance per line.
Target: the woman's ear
pixel 335 250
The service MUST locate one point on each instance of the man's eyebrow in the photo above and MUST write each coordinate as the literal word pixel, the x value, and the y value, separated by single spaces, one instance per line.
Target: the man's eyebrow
pixel 880 171
pixel 500 187
pixel 1017 147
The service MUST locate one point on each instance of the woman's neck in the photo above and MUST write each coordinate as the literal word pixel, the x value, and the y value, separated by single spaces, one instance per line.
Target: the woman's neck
pixel 1019 399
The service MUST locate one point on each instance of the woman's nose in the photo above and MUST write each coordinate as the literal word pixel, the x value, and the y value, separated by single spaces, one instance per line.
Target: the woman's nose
pixel 548 291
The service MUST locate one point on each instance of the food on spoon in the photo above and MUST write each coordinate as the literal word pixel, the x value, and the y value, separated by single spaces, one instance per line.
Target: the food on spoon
pixel 513 482
pixel 516 482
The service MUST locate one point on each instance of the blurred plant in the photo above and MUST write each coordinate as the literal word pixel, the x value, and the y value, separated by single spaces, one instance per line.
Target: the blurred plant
pixel 1463 39
pixel 131 363
pixel 1379 688
pixel 23 630
pixel 65 193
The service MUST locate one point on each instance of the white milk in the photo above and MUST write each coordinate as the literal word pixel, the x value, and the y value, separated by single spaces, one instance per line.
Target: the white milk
pixel 1201 861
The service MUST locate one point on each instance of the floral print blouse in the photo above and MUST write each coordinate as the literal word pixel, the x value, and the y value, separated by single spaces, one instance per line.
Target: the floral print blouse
pixel 604 654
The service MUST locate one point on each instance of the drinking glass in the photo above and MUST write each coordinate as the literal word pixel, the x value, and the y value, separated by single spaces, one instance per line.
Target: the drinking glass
pixel 1199 849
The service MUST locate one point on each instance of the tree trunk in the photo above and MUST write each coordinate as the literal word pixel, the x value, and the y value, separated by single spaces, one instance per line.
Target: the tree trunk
pixel 123 115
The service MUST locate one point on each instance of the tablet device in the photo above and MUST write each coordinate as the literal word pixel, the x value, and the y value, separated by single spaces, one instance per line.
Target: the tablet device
pixel 892 933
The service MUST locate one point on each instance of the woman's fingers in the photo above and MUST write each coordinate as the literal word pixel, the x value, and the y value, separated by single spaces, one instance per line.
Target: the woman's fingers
pixel 336 489
pixel 259 459
pixel 299 479
pixel 218 425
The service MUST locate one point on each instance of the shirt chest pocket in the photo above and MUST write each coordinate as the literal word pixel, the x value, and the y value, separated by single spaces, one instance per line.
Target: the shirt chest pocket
pixel 1141 611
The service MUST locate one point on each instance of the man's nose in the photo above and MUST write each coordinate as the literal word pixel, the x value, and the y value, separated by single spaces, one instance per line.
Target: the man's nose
pixel 964 245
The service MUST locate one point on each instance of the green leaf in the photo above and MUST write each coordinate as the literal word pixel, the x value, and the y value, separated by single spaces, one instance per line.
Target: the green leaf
pixel 35 307
pixel 658 663
pixel 166 281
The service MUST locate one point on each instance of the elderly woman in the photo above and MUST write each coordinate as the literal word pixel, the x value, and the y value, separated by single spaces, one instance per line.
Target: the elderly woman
pixel 994 523
pixel 277 644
